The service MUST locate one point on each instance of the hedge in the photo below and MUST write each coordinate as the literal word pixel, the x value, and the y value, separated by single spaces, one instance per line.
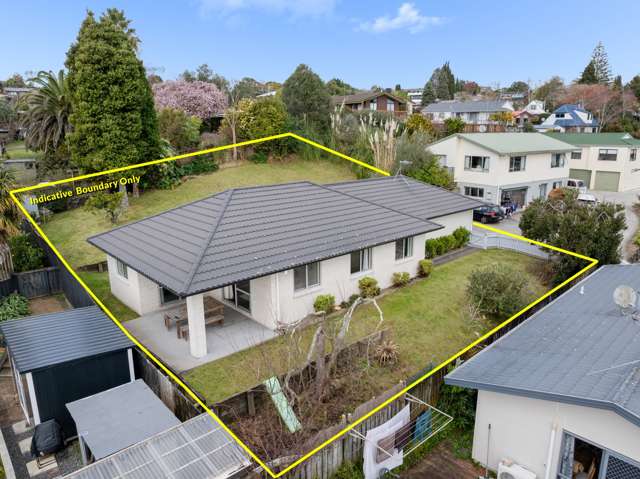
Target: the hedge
pixel 439 246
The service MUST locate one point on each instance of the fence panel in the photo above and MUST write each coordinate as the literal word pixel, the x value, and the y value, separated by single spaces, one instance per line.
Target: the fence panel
pixel 38 282
pixel 489 241
pixel 8 286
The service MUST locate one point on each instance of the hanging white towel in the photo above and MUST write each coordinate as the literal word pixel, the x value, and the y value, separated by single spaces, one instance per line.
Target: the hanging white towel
pixel 383 437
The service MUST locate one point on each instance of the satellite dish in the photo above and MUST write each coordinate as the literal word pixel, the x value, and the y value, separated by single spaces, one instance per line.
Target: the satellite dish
pixel 626 297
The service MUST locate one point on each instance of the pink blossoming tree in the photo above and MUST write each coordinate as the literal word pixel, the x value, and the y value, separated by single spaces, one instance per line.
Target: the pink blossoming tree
pixel 201 99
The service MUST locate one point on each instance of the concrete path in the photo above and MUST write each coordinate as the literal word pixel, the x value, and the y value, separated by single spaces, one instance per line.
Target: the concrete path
pixel 627 198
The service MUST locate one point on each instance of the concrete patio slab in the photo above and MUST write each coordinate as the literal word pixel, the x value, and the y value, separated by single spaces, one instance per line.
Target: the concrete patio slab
pixel 238 332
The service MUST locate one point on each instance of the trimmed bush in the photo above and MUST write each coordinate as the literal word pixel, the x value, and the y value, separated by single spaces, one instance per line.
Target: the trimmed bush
pixel 498 291
pixel 425 266
pixel 350 301
pixel 13 306
pixel 462 236
pixel 24 254
pixel 439 246
pixel 259 158
pixel 400 279
pixel 324 303
pixel 368 287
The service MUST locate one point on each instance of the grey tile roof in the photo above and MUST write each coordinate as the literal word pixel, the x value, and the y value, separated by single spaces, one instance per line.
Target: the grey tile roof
pixel 466 106
pixel 579 349
pixel 246 233
pixel 361 96
pixel 409 196
pixel 37 342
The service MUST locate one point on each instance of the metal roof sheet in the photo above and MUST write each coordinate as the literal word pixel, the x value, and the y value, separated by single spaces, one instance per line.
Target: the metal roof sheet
pixel 120 417
pixel 597 139
pixel 510 143
pixel 467 106
pixel 578 349
pixel 246 233
pixel 41 341
pixel 409 196
pixel 196 449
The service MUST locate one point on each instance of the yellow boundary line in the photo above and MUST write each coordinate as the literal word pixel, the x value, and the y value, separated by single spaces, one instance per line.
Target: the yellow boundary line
pixel 592 262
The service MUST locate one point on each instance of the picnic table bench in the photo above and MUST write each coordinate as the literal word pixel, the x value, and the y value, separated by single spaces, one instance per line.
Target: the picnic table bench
pixel 213 314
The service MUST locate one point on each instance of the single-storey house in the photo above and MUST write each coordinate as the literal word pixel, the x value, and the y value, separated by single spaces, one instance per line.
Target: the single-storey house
pixel 269 251
pixel 505 167
pixel 475 112
pixel 61 357
pixel 570 119
pixel 560 394
pixel 375 100
pixel 604 161
pixel 24 169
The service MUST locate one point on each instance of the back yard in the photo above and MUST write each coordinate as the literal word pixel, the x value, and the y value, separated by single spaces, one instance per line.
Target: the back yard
pixel 429 320
pixel 69 230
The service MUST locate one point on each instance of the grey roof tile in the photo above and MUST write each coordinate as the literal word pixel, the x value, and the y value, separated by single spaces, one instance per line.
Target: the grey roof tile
pixel 579 349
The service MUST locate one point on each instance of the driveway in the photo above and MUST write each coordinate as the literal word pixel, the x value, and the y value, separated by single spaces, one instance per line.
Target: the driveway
pixel 627 198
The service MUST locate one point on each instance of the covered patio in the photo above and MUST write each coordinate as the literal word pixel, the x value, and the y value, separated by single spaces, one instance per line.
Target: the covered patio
pixel 235 333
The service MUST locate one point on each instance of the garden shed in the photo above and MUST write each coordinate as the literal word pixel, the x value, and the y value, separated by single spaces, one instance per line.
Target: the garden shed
pixel 61 357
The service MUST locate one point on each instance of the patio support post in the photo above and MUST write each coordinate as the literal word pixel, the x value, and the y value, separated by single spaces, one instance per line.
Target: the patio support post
pixel 197 330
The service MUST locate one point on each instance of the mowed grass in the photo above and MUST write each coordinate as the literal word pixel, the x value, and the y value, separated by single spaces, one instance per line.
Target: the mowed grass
pixel 99 284
pixel 429 320
pixel 69 230
pixel 16 150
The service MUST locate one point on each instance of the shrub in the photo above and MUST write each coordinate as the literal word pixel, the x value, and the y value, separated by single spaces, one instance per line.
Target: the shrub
pixel 386 353
pixel 24 254
pixel 350 301
pixel 437 246
pixel 110 204
pixel 259 157
pixel 201 164
pixel 425 266
pixel 497 291
pixel 400 279
pixel 324 303
pixel 430 248
pixel 368 287
pixel 460 403
pixel 462 236
pixel 13 306
pixel 448 243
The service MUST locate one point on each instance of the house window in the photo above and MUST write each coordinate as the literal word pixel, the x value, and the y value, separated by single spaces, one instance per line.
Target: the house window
pixel 607 154
pixel 404 248
pixel 517 163
pixel 122 268
pixel 474 191
pixel 391 106
pixel 306 276
pixel 361 260
pixel 373 104
pixel 476 163
pixel 633 154
pixel 557 160
pixel 576 155
pixel 557 184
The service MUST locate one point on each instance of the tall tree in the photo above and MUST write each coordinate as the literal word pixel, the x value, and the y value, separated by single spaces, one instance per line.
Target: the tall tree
pixel 338 87
pixel 589 75
pixel 247 88
pixel 46 112
pixel 196 98
pixel 634 86
pixel 600 61
pixel 112 111
pixel 307 99
pixel 8 210
pixel 446 77
pixel 518 87
pixel 15 80
pixel 550 92
pixel 428 94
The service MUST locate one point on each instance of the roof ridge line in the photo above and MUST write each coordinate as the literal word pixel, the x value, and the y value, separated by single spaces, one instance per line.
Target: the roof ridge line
pixel 194 268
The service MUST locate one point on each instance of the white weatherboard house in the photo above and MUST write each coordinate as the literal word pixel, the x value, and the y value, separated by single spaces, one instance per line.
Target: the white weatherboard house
pixel 267 252
pixel 476 112
pixel 560 394
pixel 498 167
pixel 604 161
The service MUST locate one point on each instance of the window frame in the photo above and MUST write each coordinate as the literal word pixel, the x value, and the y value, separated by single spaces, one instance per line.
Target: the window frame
pixel 373 104
pixel 469 189
pixel 405 249
pixel 122 269
pixel 522 163
pixel 306 276
pixel 365 260
pixel 633 154
pixel 391 105
pixel 558 160
pixel 607 153
pixel 484 163
pixel 576 155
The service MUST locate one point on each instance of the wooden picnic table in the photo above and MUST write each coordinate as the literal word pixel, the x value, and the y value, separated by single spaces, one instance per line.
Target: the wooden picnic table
pixel 213 314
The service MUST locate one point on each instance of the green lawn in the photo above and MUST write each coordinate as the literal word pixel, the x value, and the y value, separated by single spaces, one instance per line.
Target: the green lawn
pixel 428 320
pixel 99 284
pixel 69 230
pixel 16 150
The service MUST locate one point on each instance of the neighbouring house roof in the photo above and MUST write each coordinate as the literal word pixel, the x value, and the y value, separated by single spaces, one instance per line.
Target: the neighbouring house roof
pixel 579 349
pixel 246 233
pixel 467 106
pixel 37 342
pixel 194 449
pixel 511 143
pixel 575 119
pixel 409 196
pixel 597 139
pixel 364 96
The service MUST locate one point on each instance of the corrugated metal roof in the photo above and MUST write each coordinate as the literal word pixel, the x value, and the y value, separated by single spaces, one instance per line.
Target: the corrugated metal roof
pixel 120 417
pixel 196 449
pixel 38 342
pixel 596 139
pixel 467 106
pixel 579 349
pixel 510 143
pixel 409 196
pixel 246 233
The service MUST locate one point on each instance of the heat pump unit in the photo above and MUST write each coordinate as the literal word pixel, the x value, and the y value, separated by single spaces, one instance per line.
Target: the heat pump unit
pixel 509 470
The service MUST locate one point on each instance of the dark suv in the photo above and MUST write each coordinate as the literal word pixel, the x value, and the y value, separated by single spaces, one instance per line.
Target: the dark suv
pixel 488 214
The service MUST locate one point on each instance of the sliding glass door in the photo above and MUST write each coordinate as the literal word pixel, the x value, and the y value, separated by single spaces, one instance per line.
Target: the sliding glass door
pixel 239 294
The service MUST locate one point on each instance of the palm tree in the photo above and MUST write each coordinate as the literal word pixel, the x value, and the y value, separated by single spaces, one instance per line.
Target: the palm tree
pixel 8 209
pixel 46 112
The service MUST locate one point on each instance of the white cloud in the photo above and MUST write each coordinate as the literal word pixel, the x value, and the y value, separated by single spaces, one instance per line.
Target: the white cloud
pixel 296 7
pixel 408 18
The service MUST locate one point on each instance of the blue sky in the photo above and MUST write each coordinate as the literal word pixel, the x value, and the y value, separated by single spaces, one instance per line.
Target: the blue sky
pixel 370 42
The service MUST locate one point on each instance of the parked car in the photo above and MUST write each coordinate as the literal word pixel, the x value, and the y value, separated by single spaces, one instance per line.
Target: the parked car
pixel 587 199
pixel 577 185
pixel 488 214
